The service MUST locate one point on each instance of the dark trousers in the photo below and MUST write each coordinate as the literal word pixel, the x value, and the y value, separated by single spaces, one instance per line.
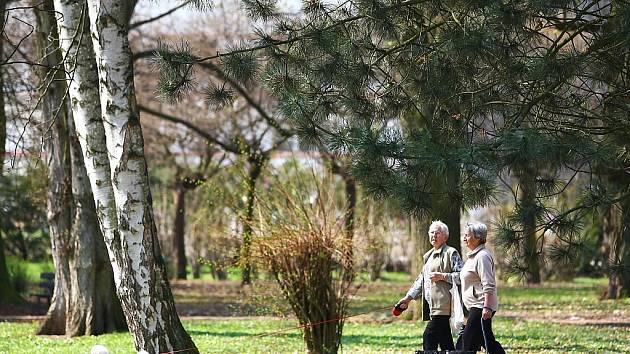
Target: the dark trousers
pixel 472 338
pixel 438 331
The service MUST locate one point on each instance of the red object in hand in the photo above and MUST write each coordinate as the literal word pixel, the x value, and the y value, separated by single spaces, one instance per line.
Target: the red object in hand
pixel 398 309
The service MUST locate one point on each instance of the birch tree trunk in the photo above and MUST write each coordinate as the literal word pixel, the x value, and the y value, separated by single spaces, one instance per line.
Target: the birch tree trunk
pixel 81 305
pixel 123 198
pixel 57 159
pixel 93 306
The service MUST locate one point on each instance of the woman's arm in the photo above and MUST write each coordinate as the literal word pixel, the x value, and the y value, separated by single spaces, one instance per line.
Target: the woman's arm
pixel 485 269
pixel 456 265
pixel 486 312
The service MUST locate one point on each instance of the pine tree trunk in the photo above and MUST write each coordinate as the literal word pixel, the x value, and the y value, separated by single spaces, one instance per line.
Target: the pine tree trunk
pixel 7 293
pixel 451 211
pixel 139 270
pixel 616 225
pixel 527 184
pixel 418 229
pixel 351 205
pixel 616 219
pixel 623 251
pixel 612 230
pixel 179 226
pixel 57 158
pixel 255 170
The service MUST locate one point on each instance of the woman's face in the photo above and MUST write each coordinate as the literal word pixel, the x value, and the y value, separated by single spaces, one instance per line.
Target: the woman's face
pixel 470 240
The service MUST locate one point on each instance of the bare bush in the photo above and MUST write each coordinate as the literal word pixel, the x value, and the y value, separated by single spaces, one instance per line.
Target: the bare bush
pixel 300 240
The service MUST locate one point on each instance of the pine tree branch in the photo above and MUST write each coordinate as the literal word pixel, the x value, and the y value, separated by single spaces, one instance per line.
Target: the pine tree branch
pixel 241 90
pixel 310 34
pixel 548 225
pixel 219 74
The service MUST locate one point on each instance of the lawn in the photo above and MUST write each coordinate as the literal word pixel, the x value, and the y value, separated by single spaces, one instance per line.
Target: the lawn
pixel 553 318
pixel 243 336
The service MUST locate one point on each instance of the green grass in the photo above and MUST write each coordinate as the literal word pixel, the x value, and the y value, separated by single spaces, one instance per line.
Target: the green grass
pixel 583 294
pixel 523 323
pixel 243 336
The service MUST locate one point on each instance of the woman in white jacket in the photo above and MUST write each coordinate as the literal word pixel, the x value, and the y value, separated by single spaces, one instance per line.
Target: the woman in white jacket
pixel 479 292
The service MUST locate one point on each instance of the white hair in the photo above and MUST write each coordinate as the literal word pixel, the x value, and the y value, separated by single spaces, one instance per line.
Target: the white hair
pixel 478 231
pixel 442 226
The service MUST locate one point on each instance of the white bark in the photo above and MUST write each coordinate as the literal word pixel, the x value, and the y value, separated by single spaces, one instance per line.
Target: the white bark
pixel 113 150
pixel 86 110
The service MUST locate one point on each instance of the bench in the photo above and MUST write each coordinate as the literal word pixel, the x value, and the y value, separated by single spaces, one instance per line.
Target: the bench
pixel 46 287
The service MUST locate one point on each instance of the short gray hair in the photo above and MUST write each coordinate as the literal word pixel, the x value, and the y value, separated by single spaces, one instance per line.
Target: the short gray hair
pixel 478 231
pixel 442 226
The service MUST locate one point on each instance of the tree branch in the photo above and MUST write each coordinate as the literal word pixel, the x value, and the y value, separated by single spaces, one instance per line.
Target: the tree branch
pixel 144 22
pixel 190 126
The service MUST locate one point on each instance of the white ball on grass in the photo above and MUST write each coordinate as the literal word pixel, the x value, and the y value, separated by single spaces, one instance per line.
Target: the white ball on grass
pixel 99 349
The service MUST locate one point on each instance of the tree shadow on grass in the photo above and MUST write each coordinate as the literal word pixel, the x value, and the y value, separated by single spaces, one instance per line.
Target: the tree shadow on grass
pixel 346 339
pixel 562 347
pixel 234 334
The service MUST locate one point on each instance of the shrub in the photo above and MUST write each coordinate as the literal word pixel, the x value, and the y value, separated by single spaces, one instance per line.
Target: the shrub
pixel 18 276
pixel 300 240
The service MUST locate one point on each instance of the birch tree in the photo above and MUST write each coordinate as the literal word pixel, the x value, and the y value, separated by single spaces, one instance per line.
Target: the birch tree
pixel 112 144
pixel 84 300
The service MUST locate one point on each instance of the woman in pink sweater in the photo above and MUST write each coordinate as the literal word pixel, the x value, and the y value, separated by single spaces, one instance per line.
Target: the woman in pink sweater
pixel 479 292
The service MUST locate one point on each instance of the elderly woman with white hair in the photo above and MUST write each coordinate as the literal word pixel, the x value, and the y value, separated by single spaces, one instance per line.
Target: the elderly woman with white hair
pixel 479 292
pixel 441 269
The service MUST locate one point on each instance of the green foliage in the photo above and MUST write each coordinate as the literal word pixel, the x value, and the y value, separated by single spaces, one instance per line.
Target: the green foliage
pixel 18 276
pixel 23 220
pixel 240 65
pixel 219 96
pixel 433 101
pixel 176 70
pixel 260 9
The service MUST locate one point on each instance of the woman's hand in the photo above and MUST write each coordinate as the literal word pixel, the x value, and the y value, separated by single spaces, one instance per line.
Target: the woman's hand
pixel 436 277
pixel 404 302
pixel 486 313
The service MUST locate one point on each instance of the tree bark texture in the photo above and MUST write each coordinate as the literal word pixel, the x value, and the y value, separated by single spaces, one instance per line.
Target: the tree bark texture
pixel 616 227
pixel 139 270
pixel 450 208
pixel 93 306
pixel 527 183
pixel 418 229
pixel 179 231
pixel 7 293
pixel 84 300
pixel 57 158
pixel 255 169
